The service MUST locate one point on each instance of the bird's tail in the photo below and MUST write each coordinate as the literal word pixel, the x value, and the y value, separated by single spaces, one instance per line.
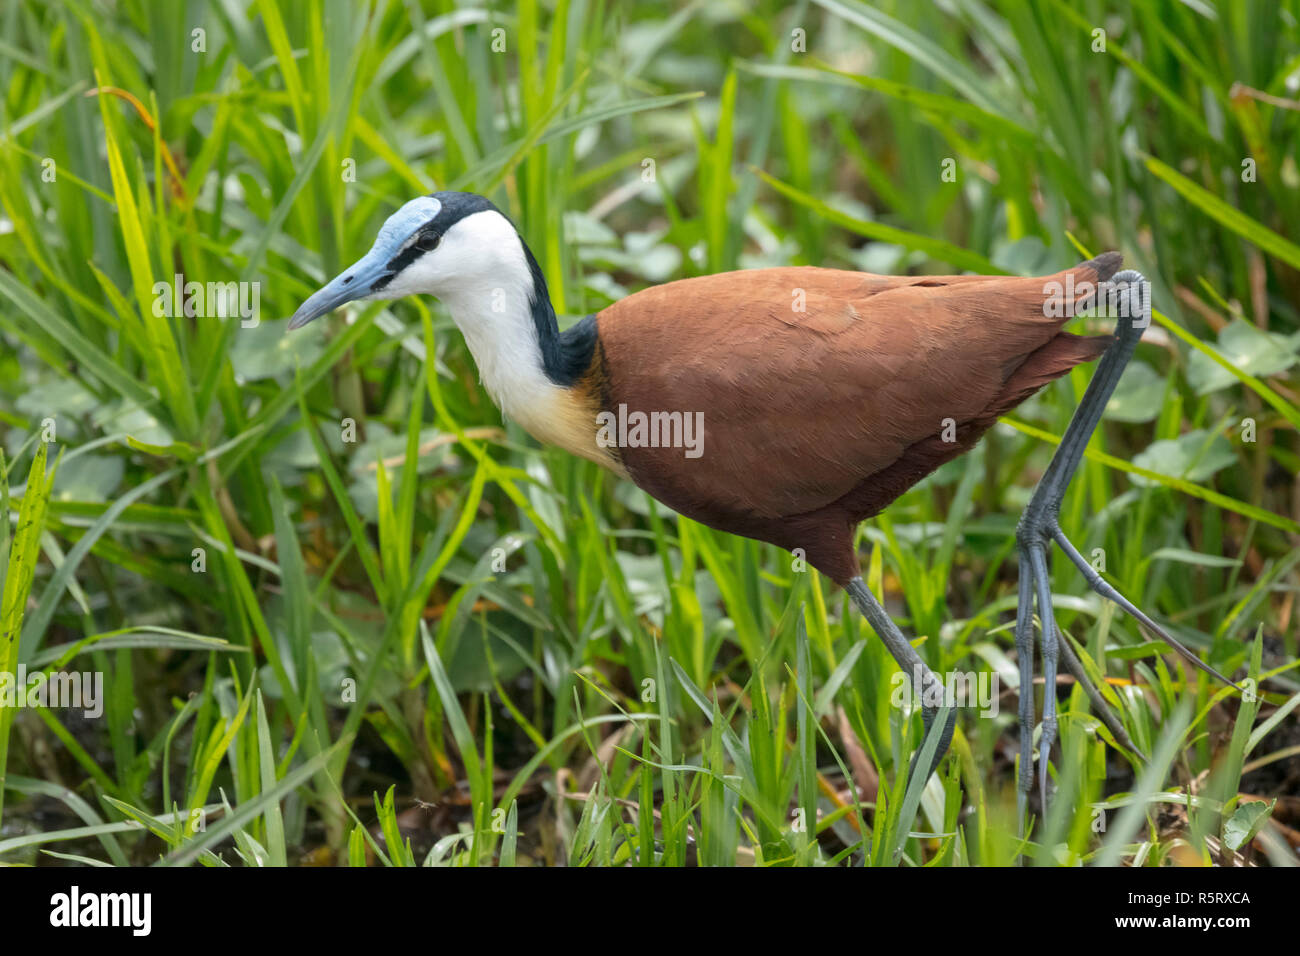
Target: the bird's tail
pixel 1101 268
pixel 1077 287
pixel 1048 363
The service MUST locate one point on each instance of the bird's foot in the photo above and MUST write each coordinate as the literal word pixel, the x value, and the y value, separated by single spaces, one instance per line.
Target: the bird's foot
pixel 1037 530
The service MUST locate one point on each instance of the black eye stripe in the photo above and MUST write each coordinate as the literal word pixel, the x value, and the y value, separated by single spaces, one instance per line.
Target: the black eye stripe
pixel 408 255
pixel 454 207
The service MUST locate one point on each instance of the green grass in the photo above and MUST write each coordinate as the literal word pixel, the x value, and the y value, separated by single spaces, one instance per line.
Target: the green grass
pixel 439 644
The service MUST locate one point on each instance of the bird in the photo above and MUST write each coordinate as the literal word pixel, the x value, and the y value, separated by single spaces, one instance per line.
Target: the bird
pixel 786 404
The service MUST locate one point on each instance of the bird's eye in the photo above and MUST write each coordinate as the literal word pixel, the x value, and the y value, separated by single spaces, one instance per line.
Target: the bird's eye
pixel 428 242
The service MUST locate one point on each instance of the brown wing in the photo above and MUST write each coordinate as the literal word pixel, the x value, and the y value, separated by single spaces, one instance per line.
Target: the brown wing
pixel 801 407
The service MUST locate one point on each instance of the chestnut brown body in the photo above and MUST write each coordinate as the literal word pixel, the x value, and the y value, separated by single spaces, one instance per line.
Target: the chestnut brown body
pixel 816 419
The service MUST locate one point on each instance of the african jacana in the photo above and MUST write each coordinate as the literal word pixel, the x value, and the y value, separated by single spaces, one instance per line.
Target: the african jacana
pixel 824 396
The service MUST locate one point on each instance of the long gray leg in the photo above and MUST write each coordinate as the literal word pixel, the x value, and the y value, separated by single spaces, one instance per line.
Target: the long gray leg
pixel 1039 526
pixel 1047 630
pixel 1025 660
pixel 910 661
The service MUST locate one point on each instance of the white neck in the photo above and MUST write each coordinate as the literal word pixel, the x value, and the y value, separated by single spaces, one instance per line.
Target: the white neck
pixel 505 346
pixel 486 284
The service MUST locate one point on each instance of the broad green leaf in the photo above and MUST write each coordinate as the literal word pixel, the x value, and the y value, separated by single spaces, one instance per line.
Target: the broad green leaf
pixel 1194 456
pixel 1246 821
pixel 1250 349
